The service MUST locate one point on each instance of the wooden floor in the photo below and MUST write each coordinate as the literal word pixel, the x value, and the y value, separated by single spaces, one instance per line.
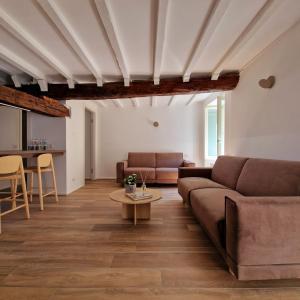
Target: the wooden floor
pixel 81 249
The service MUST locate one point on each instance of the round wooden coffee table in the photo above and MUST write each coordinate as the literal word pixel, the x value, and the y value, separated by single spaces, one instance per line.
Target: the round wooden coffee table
pixel 135 209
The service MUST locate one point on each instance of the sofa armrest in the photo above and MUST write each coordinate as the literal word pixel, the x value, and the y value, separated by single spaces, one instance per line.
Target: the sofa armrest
pixel 263 230
pixel 121 166
pixel 187 163
pixel 194 172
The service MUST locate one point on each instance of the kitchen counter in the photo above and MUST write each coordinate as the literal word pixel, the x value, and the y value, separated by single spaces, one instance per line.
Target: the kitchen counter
pixel 31 153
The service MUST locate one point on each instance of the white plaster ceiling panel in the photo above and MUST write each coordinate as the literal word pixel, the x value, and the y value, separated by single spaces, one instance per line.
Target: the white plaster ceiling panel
pixel 201 97
pixel 181 99
pixel 106 103
pixel 236 18
pixel 15 47
pixel 276 25
pixel 8 68
pixel 85 21
pixel 134 20
pixel 162 100
pixel 185 22
pixel 29 15
pixel 140 102
pixel 159 101
pixel 125 45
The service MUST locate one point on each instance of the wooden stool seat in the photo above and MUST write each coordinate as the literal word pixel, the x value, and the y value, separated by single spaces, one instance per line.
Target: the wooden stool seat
pixel 11 169
pixel 44 164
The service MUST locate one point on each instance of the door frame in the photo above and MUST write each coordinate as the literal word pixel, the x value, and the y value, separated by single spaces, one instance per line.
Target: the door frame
pixel 93 141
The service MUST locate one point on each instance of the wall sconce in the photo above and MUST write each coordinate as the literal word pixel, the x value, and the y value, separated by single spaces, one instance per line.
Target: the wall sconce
pixel 155 124
pixel 267 83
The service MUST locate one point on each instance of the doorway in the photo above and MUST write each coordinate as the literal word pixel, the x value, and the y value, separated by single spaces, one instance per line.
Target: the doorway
pixel 89 145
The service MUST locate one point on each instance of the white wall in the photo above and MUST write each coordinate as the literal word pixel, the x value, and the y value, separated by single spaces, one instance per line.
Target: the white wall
pixel 266 122
pixel 75 145
pixel 54 130
pixel 67 134
pixel 131 129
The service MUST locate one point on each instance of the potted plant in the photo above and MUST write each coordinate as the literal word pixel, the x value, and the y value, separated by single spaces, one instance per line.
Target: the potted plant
pixel 130 183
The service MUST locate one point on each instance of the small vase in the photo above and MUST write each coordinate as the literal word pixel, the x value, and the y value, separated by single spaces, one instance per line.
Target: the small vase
pixel 130 188
pixel 144 188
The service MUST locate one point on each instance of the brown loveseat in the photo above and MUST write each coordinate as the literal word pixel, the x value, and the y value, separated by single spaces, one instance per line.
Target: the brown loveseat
pixel 250 208
pixel 158 167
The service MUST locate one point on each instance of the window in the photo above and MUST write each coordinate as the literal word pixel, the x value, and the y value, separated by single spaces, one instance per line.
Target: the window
pixel 214 129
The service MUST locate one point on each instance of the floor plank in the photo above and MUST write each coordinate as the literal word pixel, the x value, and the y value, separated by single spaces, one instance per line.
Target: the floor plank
pixel 81 248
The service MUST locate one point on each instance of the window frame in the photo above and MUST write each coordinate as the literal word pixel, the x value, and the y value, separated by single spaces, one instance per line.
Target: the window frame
pixel 220 119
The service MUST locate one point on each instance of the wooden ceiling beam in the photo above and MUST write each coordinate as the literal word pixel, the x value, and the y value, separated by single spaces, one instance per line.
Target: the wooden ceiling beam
pixel 153 101
pixel 111 32
pixel 191 100
pixel 100 103
pixel 62 24
pixel 171 100
pixel 21 64
pixel 264 14
pixel 117 90
pixel 117 103
pixel 44 105
pixel 217 11
pixel 16 81
pixel 161 28
pixel 135 103
pixel 7 69
pixel 17 30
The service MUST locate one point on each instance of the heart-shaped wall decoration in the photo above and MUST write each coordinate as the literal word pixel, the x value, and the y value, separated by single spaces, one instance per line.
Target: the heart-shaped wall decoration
pixel 267 83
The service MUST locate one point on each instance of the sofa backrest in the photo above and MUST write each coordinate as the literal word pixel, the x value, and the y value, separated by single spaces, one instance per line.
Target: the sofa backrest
pixel 169 160
pixel 141 159
pixel 268 177
pixel 227 170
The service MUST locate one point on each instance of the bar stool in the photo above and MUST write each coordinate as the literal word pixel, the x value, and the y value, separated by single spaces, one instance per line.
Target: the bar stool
pixel 11 169
pixel 44 165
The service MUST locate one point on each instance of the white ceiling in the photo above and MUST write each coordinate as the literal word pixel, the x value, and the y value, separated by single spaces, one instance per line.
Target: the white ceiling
pixel 157 101
pixel 96 41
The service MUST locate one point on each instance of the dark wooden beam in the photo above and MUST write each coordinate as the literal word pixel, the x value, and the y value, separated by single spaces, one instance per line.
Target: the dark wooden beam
pixel 116 90
pixel 44 105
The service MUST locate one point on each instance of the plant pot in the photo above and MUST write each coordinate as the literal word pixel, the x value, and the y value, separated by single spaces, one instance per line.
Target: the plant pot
pixel 130 188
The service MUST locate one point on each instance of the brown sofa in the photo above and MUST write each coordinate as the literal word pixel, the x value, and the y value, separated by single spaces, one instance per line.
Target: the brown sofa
pixel 250 208
pixel 159 167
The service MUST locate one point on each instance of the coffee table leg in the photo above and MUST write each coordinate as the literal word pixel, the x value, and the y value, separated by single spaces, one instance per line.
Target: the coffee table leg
pixel 136 211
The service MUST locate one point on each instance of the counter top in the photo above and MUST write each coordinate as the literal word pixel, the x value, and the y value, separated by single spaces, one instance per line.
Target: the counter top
pixel 31 153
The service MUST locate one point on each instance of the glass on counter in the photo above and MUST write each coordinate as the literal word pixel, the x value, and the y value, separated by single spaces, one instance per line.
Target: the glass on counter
pixel 39 144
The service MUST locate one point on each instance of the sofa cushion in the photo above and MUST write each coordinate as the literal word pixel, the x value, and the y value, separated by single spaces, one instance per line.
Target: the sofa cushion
pixel 268 177
pixel 188 184
pixel 141 159
pixel 148 172
pixel 209 208
pixel 169 160
pixel 227 170
pixel 166 173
